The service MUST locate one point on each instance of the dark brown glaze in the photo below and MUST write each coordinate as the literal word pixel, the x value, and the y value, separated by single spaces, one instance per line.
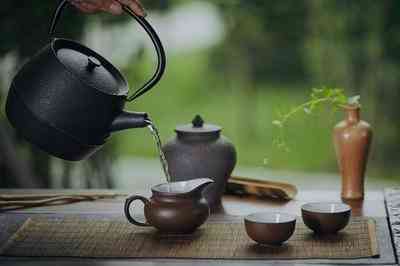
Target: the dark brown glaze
pixel 352 139
pixel 177 207
pixel 265 229
pixel 319 218
pixel 199 150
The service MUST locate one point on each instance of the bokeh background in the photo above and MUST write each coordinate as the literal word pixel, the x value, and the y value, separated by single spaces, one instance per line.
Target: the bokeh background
pixel 237 63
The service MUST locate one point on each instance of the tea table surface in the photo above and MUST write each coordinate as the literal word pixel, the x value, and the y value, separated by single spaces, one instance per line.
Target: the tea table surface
pixel 233 207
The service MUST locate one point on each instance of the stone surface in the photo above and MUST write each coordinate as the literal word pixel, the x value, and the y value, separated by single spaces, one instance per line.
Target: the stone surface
pixel 392 198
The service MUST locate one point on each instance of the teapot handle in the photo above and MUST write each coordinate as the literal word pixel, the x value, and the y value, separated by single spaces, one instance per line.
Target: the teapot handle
pixel 153 36
pixel 128 202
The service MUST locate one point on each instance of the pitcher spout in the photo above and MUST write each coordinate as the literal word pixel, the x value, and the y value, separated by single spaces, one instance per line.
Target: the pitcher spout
pixel 199 184
pixel 182 188
pixel 127 120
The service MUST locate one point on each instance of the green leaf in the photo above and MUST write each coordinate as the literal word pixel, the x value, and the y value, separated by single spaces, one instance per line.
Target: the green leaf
pixel 328 93
pixel 307 110
pixel 277 123
pixel 341 99
pixel 316 91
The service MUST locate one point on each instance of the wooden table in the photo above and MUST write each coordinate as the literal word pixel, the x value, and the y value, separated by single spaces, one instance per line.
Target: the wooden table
pixel 372 206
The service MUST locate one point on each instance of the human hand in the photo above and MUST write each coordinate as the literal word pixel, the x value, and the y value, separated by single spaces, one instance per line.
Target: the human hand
pixel 111 6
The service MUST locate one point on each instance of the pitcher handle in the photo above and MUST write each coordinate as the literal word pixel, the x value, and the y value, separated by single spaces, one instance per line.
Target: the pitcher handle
pixel 128 202
pixel 161 59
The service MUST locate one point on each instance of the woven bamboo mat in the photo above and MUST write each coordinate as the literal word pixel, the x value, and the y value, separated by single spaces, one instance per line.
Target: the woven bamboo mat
pixel 77 237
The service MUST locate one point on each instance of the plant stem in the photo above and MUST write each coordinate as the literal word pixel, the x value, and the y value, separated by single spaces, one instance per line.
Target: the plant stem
pixel 302 106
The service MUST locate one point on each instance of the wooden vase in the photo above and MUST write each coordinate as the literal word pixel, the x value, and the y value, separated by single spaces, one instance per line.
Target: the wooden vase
pixel 352 139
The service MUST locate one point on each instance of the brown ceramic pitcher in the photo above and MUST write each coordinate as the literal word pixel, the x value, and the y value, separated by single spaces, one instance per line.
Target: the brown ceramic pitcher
pixel 177 207
pixel 352 138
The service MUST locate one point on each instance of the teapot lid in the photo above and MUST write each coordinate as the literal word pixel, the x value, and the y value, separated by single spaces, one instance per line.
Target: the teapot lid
pixel 198 127
pixel 90 67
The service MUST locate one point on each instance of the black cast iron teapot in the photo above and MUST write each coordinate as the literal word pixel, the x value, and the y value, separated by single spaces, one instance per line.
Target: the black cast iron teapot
pixel 67 98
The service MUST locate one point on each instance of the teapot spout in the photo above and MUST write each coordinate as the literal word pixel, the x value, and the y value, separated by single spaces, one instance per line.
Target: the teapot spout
pixel 127 120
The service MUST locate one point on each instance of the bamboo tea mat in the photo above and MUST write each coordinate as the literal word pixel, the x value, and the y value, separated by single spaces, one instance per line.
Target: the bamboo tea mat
pixel 78 237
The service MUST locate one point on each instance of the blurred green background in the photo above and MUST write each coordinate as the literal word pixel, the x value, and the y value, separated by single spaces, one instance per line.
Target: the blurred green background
pixel 236 63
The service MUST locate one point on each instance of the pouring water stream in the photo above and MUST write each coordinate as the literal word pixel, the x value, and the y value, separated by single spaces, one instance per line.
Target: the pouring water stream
pixel 163 160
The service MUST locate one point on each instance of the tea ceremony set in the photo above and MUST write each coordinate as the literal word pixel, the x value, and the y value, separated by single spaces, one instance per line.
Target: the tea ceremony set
pixel 68 99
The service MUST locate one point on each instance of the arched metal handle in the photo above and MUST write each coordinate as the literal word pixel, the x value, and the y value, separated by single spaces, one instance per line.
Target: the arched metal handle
pixel 128 202
pixel 149 30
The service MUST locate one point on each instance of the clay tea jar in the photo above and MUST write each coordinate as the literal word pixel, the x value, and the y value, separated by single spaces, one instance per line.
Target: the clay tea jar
pixel 199 150
pixel 176 207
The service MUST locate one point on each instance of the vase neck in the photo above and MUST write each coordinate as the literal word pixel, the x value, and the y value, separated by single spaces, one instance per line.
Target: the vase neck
pixel 353 115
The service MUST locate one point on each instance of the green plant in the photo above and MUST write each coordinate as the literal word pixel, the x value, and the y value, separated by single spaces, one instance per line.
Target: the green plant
pixel 333 97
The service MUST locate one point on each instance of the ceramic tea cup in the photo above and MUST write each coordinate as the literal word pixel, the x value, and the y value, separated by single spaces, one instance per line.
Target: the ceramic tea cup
pixel 270 228
pixel 326 217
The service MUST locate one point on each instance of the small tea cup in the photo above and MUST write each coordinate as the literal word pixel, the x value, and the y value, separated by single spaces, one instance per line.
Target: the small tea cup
pixel 270 228
pixel 326 217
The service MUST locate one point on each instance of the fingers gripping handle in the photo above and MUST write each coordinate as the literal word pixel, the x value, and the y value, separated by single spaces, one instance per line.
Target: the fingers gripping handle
pixel 128 202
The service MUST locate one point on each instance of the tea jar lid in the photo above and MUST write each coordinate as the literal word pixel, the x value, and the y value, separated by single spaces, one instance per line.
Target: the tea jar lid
pixel 198 127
